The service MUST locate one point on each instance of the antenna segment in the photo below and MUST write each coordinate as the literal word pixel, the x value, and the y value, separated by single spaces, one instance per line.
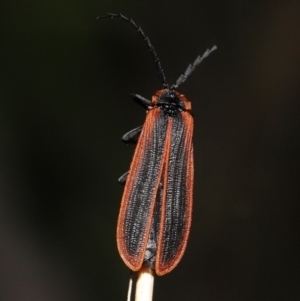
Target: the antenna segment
pixel 147 41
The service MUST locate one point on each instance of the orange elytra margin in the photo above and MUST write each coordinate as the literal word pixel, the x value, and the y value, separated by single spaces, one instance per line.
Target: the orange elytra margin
pixel 159 269
pixel 164 268
pixel 134 262
pixel 156 208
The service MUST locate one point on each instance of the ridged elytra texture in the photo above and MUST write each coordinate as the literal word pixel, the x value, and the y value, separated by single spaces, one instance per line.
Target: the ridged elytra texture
pixel 155 215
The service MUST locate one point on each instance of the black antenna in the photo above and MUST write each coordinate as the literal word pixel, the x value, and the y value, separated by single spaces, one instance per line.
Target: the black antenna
pixel 146 39
pixel 182 78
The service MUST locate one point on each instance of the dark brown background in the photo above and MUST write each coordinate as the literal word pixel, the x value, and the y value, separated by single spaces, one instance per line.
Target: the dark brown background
pixel 64 96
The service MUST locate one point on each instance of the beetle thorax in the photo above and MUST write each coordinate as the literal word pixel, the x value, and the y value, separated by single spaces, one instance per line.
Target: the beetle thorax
pixel 170 104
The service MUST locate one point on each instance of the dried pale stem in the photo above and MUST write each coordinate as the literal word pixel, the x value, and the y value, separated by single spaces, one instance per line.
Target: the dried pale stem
pixel 129 287
pixel 144 284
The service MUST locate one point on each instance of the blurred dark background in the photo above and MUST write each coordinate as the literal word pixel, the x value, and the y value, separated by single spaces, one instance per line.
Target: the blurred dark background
pixel 64 104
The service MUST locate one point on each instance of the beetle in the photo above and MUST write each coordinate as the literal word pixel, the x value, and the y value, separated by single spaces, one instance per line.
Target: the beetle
pixel 156 208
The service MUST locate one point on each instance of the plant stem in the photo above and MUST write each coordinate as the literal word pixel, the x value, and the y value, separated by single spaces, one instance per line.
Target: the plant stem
pixel 144 284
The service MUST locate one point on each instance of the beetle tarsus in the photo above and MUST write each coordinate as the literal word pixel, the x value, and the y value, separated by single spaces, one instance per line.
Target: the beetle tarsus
pixel 132 136
pixel 123 178
pixel 144 102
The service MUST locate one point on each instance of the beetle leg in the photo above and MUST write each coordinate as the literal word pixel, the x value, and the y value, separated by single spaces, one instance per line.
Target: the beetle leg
pixel 123 178
pixel 132 136
pixel 141 100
